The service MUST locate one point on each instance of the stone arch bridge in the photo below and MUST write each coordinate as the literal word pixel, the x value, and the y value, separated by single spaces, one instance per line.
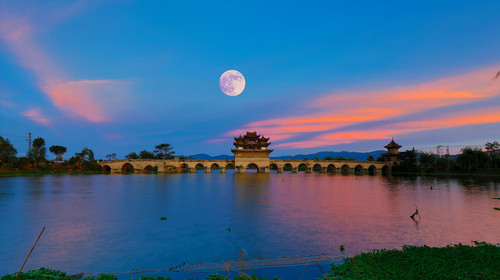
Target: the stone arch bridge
pixel 177 165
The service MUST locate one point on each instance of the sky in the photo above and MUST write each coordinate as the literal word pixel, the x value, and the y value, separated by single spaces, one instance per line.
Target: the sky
pixel 124 76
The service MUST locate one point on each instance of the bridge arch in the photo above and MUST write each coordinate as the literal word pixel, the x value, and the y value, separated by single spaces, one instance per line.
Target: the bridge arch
pixel 251 167
pixel 214 166
pixel 287 167
pixel 106 169
pixel 184 167
pixel 199 166
pixel 148 169
pixel 344 170
pixel 358 170
pixel 302 167
pixel 317 168
pixel 230 166
pixel 127 168
pixel 372 170
pixel 331 168
pixel 273 166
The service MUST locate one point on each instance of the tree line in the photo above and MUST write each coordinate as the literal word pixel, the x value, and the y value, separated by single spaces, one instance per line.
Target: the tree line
pixel 162 151
pixel 36 158
pixel 471 160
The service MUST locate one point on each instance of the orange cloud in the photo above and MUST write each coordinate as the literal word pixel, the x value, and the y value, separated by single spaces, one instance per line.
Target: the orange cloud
pixel 340 111
pixel 36 116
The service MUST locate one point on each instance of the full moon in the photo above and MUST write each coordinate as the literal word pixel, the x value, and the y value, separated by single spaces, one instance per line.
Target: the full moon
pixel 232 83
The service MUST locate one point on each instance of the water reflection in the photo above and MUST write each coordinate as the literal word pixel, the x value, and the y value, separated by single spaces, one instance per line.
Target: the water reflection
pixel 112 223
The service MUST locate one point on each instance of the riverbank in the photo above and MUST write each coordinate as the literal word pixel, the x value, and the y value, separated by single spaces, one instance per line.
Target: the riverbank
pixel 412 262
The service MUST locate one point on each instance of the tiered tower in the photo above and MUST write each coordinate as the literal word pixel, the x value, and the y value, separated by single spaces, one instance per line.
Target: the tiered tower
pixel 251 149
pixel 392 154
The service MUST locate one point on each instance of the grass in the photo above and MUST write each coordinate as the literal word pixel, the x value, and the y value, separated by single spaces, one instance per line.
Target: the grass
pixel 422 262
pixel 49 274
pixel 481 261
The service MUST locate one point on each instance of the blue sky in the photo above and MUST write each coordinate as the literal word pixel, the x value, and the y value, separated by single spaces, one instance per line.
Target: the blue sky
pixel 123 76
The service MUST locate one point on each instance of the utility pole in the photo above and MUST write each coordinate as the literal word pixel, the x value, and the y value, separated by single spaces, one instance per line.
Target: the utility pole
pixel 29 142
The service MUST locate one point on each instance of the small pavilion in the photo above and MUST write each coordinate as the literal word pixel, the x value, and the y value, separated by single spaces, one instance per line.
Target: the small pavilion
pixel 392 155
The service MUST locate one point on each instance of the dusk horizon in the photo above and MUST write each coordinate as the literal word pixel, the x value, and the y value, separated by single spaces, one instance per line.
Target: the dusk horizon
pixel 124 77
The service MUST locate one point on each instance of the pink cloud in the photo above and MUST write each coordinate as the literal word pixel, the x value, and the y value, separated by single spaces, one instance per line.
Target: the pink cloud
pixel 343 110
pixel 218 140
pixel 35 115
pixel 89 100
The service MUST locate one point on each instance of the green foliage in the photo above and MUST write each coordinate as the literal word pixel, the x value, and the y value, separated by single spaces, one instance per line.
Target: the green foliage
pixel 7 151
pixel 472 159
pixel 426 160
pixel 408 162
pixel 132 155
pixel 493 150
pixel 412 262
pixel 41 274
pixel 370 158
pixel 38 150
pixel 342 248
pixel 164 151
pixel 111 156
pixel 163 218
pixel 49 274
pixel 496 208
pixel 58 151
pixel 329 158
pixel 146 155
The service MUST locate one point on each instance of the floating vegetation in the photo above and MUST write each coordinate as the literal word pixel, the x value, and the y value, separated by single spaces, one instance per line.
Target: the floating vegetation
pixel 163 218
pixel 342 248
pixel 412 262
pixel 496 208
pixel 228 229
pixel 496 198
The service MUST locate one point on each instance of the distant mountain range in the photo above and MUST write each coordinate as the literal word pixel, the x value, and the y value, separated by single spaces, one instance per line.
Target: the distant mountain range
pixel 321 155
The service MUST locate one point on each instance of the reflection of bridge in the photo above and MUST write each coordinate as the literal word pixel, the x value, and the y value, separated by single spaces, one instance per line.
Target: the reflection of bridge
pixel 221 165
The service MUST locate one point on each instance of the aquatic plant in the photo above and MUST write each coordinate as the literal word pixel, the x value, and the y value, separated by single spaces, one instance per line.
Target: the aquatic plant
pixel 163 218
pixel 414 262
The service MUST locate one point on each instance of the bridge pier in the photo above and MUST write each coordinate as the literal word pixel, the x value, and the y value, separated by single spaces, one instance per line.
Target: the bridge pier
pixel 308 170
pixel 208 170
pixel 192 170
pixel 280 170
pixel 222 170
pixel 294 169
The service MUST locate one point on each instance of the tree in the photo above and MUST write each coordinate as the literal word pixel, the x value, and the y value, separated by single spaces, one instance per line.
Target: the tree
pixel 427 160
pixel 329 158
pixel 146 155
pixel 472 159
pixel 38 150
pixel 164 151
pixel 111 156
pixel 132 155
pixel 7 151
pixel 85 159
pixel 493 150
pixel 408 161
pixel 370 158
pixel 58 151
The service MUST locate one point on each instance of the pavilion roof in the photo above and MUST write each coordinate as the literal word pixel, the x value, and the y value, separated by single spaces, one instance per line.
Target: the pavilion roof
pixel 392 145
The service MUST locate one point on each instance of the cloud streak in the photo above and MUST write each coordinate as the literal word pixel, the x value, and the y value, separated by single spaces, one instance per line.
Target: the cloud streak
pixel 347 117
pixel 35 115
pixel 80 99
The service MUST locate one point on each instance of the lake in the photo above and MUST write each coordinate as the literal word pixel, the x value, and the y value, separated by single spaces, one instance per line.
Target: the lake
pixel 111 223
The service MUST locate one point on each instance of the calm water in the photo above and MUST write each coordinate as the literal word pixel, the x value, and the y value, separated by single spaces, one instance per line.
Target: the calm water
pixel 105 223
